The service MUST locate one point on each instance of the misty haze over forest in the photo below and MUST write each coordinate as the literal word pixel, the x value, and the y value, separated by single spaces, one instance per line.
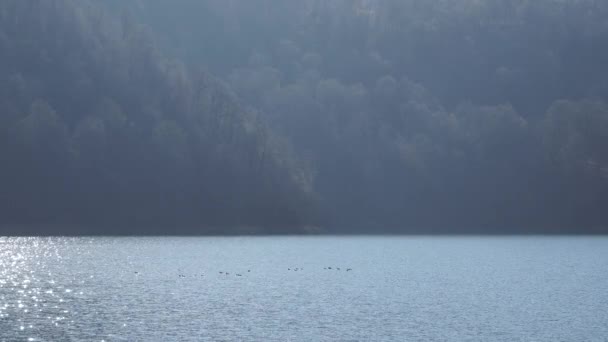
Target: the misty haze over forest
pixel 294 116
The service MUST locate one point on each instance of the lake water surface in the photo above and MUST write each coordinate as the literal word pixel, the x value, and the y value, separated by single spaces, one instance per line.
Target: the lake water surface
pixel 399 289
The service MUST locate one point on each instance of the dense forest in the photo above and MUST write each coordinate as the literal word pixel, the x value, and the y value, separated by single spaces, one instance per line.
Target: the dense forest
pixel 409 116
pixel 100 133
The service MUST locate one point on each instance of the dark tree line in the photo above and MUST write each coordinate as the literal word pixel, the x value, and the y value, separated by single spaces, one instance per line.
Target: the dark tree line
pixel 101 134
pixel 420 115
pixel 361 115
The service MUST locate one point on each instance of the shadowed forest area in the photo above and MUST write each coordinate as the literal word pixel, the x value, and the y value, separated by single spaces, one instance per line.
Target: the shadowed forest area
pixel 340 116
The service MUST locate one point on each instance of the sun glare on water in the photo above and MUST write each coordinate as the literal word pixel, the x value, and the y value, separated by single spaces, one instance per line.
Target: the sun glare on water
pixel 31 300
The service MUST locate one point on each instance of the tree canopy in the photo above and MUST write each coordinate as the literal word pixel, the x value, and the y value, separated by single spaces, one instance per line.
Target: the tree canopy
pixel 361 116
pixel 100 131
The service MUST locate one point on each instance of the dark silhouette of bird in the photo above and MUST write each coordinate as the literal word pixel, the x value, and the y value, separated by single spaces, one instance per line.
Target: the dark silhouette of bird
pixel 329 268
pixel 248 270
pixel 349 269
pixel 238 275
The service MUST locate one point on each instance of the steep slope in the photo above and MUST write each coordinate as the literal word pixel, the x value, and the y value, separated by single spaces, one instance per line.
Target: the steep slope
pixel 98 130
pixel 420 115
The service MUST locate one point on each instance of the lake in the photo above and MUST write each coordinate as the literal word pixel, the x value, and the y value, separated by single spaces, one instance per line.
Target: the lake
pixel 281 289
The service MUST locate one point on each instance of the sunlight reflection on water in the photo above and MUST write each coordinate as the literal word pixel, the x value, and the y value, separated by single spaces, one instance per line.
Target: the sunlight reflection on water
pixel 30 304
pixel 399 288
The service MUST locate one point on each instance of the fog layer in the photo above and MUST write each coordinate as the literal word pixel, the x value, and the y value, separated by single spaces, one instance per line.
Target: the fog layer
pixel 402 116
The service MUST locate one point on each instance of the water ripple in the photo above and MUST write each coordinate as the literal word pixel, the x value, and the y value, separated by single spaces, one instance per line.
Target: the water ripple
pixel 303 289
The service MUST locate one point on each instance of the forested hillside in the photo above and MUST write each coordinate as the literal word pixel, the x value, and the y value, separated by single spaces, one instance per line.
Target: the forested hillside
pixel 420 115
pixel 99 133
pixel 358 115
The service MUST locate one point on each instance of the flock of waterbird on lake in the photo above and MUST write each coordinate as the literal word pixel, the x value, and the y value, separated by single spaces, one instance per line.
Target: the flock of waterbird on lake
pixel 296 269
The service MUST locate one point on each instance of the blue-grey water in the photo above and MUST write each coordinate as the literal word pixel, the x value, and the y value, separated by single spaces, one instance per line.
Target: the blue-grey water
pixel 399 289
